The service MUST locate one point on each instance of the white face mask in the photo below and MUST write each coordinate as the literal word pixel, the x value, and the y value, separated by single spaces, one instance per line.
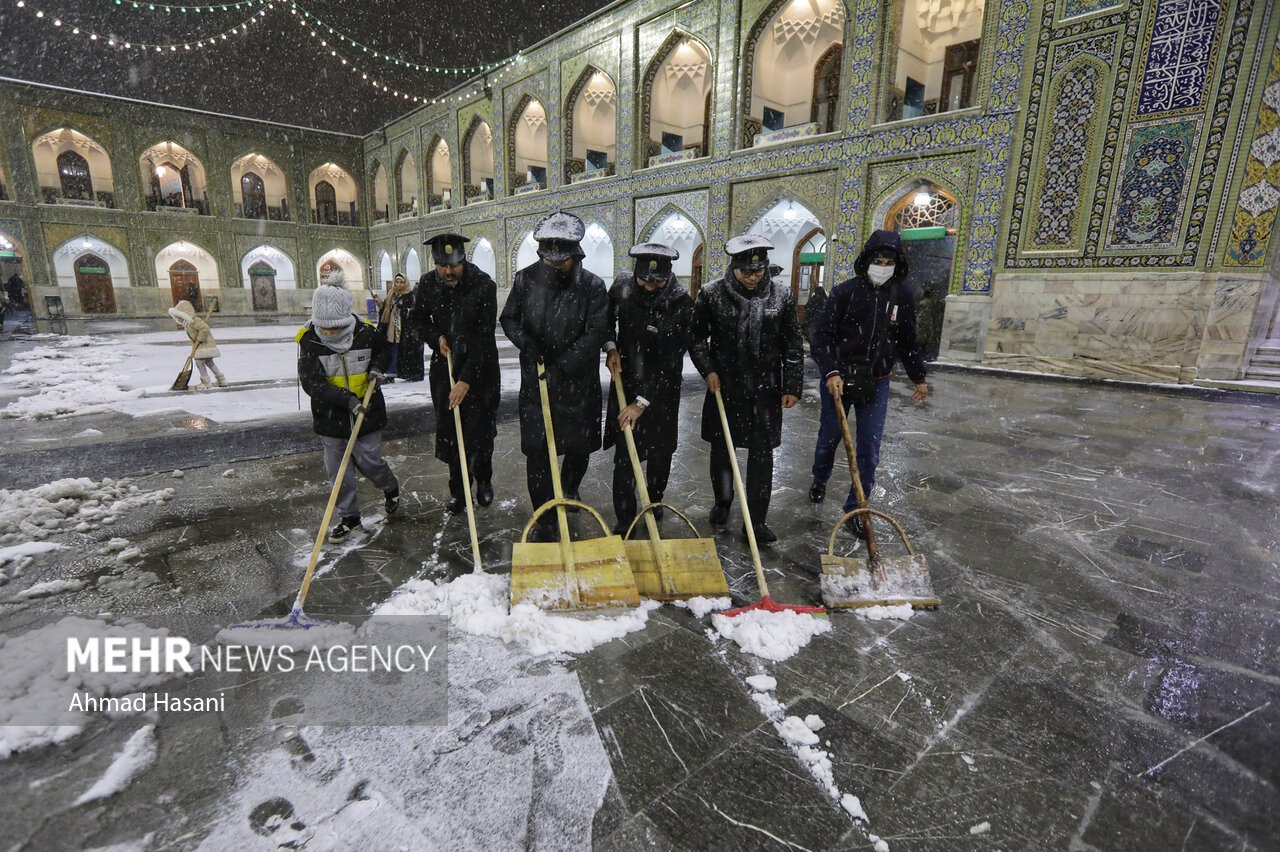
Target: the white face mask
pixel 880 275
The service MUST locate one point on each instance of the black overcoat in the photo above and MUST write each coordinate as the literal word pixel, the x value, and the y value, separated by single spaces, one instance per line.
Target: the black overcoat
pixel 566 316
pixel 465 315
pixel 651 331
pixel 751 382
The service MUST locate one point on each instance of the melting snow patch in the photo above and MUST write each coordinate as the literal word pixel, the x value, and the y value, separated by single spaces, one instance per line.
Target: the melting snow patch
pixel 34 680
pixel 980 828
pixel 83 386
pixel 22 555
pixel 700 606
pixel 478 604
pixel 38 512
pixel 52 587
pixel 774 636
pixel 762 683
pixel 178 474
pixel 796 731
pixel 135 758
pixel 901 612
pixel 903 676
pixel 853 806
pixel 814 722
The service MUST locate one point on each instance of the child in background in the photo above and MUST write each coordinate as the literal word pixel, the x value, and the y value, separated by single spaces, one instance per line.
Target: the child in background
pixel 207 348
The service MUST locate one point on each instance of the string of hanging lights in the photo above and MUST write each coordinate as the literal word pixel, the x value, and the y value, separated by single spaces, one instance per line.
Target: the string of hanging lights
pixel 308 22
pixel 128 44
pixel 142 5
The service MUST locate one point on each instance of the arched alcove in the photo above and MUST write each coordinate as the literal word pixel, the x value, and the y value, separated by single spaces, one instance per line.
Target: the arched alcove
pixel 334 196
pixel 527 147
pixel 386 271
pixel 258 187
pixel 789 224
pixel 347 262
pixel 477 161
pixel 792 59
pixel 526 252
pixel 591 129
pixel 187 271
pixel 933 57
pixel 597 246
pixel 412 265
pixel 173 180
pixel 675 103
pixel 94 268
pixel 73 168
pixel 380 191
pixel 406 185
pixel 264 270
pixel 439 176
pixel 483 256
pixel 673 228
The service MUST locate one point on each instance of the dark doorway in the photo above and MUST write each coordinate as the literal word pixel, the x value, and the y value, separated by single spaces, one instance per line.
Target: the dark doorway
pixel 695 275
pixel 184 283
pixel 326 204
pixel 254 195
pixel 73 174
pixel 262 282
pixel 929 278
pixel 826 89
pixel 93 284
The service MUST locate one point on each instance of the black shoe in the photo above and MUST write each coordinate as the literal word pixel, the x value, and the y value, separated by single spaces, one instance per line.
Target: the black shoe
pixel 658 513
pixel 621 527
pixel 455 505
pixel 543 532
pixel 344 528
pixel 817 491
pixel 859 530
pixel 720 514
pixel 389 380
pixel 764 535
pixel 392 503
pixel 484 493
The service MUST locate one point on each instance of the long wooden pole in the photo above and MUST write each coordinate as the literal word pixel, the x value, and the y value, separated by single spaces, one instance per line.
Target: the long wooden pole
pixel 643 488
pixel 742 498
pixel 466 475
pixel 566 551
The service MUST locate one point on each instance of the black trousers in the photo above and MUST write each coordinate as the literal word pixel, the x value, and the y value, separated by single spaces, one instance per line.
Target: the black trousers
pixel 541 490
pixel 759 481
pixel 657 472
pixel 479 465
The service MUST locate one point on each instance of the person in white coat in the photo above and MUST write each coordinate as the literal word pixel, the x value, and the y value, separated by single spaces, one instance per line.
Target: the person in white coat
pixel 206 349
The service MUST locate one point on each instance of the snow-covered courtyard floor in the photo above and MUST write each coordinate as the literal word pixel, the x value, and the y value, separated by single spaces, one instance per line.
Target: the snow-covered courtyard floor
pixel 1104 672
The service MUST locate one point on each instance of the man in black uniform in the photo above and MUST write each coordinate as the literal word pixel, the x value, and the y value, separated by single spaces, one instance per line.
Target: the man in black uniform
pixel 558 313
pixel 650 316
pixel 454 310
pixel 747 344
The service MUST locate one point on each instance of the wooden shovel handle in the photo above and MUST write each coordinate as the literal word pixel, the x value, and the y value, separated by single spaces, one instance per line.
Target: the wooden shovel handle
pixel 831 542
pixel 559 503
pixel 650 507
pixel 857 480
pixel 466 474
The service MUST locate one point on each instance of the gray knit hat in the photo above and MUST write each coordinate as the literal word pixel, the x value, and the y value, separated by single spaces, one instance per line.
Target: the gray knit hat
pixel 330 307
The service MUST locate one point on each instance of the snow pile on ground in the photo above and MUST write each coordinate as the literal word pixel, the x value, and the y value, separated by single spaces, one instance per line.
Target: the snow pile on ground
pixel 18 556
pixel 477 604
pixel 134 759
pixel 82 384
pixel 35 513
pixel 774 636
pixel 35 678
pixel 901 612
pixel 802 738
pixel 700 606
pixel 49 588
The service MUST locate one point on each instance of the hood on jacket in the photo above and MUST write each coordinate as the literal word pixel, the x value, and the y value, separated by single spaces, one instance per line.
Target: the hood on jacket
pixel 183 312
pixel 881 241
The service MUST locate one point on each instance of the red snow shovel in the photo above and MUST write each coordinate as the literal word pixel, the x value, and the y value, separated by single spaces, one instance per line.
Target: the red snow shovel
pixel 297 618
pixel 765 603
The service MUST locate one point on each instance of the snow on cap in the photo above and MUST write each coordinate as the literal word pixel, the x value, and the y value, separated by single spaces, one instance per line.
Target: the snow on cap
pixel 330 307
pixel 653 260
pixel 749 251
pixel 560 226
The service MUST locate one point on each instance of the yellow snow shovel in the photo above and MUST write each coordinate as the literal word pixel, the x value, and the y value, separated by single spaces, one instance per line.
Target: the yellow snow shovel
pixel 569 575
pixel 848 583
pixel 184 377
pixel 466 476
pixel 677 568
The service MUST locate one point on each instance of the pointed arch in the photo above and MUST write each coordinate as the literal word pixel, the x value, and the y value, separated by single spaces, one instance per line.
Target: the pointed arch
pixel 87 178
pixel 406 180
pixel 590 124
pixel 528 145
pixel 780 71
pixel 173 179
pixel 379 193
pixel 273 202
pixel 477 161
pixel 691 78
pixel 483 256
pixel 439 171
pixel 334 195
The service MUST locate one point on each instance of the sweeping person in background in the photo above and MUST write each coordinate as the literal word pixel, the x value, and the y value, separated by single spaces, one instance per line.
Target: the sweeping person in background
pixel 393 311
pixel 649 319
pixel 455 312
pixel 867 321
pixel 338 355
pixel 198 332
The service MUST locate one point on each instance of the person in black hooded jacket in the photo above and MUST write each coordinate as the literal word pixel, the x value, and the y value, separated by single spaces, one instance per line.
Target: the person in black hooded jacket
pixel 558 314
pixel 867 320
pixel 455 309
